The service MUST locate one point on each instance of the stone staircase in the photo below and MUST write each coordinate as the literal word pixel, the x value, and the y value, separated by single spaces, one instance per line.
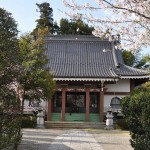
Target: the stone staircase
pixel 77 125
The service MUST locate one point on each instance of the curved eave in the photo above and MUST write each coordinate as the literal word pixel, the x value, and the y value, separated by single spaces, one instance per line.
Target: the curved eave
pixel 84 79
pixel 135 77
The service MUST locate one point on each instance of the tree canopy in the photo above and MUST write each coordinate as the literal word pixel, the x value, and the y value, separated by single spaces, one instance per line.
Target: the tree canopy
pixel 65 27
pixel 46 17
pixel 129 18
pixel 23 76
pixel 35 80
pixel 128 57
pixel 136 109
pixel 9 106
pixel 136 59
pixel 74 27
pixel 144 62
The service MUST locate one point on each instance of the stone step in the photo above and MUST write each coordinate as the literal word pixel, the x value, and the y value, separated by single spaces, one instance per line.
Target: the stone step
pixel 79 125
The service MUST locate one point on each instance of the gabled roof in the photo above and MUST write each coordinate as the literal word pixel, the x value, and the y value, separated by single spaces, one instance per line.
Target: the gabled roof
pixel 86 57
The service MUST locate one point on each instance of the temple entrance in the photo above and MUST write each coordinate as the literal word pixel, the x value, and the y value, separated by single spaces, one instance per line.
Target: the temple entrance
pixel 76 107
pixel 94 102
pixel 75 102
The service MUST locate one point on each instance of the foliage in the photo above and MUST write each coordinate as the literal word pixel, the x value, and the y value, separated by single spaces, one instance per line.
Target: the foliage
pixel 35 80
pixel 146 86
pixel 9 105
pixel 23 76
pixel 131 19
pixel 46 17
pixel 74 27
pixel 136 109
pixel 144 62
pixel 134 59
pixel 10 136
pixel 28 122
pixel 128 57
pixel 66 26
pixel 56 28
pixel 121 124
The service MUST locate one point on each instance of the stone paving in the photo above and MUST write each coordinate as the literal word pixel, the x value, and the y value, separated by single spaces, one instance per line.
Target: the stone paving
pixel 112 139
pixel 74 139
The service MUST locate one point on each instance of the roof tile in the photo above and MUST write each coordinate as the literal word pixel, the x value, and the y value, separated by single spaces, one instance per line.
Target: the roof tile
pixel 83 56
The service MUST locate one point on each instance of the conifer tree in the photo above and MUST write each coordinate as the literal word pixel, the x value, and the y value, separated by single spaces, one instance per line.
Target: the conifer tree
pixel 46 17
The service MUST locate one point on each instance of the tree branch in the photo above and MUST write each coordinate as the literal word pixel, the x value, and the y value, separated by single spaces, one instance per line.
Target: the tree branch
pixel 130 10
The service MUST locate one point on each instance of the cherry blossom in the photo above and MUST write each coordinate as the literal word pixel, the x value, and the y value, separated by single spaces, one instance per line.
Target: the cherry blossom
pixel 128 18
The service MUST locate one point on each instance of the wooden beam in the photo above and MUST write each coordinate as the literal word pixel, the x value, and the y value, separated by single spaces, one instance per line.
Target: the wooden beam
pixel 117 93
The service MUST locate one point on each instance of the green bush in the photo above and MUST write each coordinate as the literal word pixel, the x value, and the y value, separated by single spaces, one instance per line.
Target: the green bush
pixel 28 122
pixel 122 124
pixel 10 135
pixel 136 109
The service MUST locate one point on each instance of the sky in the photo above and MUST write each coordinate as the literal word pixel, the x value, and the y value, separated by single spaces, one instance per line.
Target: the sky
pixel 24 12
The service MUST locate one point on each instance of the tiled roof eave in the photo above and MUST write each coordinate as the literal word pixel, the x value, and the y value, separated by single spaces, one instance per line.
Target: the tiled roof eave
pixel 84 79
pixel 135 77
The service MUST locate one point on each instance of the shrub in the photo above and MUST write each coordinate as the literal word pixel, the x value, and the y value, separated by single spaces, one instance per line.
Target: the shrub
pixel 136 109
pixel 10 135
pixel 28 122
pixel 122 124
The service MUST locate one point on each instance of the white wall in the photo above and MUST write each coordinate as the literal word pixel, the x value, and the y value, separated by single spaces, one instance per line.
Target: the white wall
pixel 122 85
pixel 107 100
pixel 28 108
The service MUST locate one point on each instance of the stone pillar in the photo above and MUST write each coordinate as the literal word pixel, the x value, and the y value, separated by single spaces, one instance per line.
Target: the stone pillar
pixel 49 110
pixel 87 104
pixel 63 104
pixel 102 103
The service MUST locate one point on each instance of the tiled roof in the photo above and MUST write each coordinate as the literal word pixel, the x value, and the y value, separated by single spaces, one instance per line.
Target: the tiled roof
pixel 84 57
pixel 130 71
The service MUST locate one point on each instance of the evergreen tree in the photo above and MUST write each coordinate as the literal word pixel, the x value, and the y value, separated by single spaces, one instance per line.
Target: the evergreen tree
pixel 74 27
pixel 56 29
pixel 46 17
pixel 136 110
pixel 9 106
pixel 35 81
pixel 23 76
pixel 128 57
pixel 144 62
pixel 141 62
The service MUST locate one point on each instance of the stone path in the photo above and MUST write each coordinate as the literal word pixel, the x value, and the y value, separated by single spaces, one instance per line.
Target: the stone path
pixel 74 139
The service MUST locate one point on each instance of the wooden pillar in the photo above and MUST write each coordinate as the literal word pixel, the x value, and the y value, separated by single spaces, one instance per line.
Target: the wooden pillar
pixel 132 86
pixel 63 104
pixel 49 110
pixel 87 104
pixel 102 103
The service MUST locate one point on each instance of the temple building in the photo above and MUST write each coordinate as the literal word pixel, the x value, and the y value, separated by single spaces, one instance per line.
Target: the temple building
pixel 90 75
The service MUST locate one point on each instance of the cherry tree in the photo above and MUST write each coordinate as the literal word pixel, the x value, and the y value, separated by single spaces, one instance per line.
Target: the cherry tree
pixel 128 18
